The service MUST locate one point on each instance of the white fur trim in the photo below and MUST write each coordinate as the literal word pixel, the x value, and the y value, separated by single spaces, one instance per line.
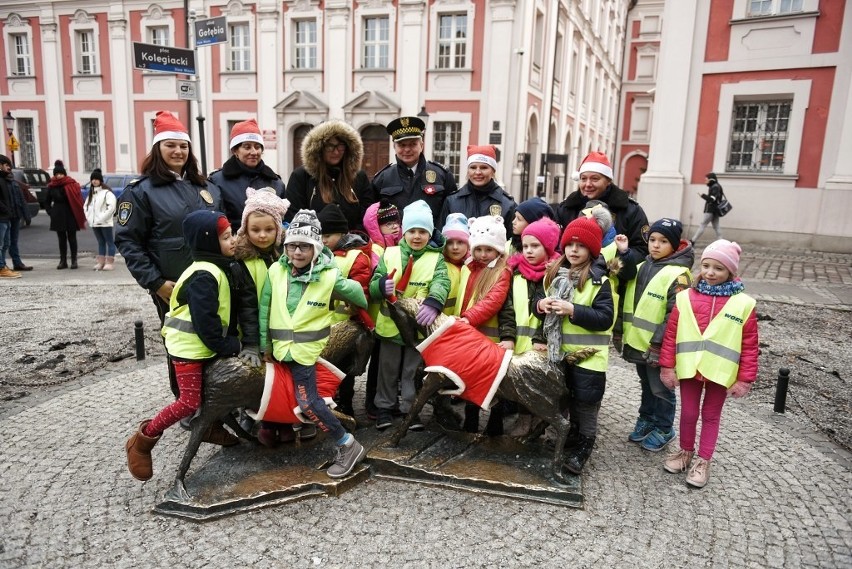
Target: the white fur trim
pixel 488 402
pixel 297 411
pixel 595 167
pixel 331 367
pixel 268 382
pixel 246 137
pixel 434 335
pixel 170 135
pixel 474 158
pixel 452 376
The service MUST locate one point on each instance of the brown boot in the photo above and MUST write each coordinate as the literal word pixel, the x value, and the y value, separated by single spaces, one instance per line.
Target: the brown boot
pixel 138 449
pixel 217 435
pixel 109 264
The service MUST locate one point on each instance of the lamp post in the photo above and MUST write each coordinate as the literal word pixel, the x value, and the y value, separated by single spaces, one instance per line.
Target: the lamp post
pixel 9 123
pixel 423 114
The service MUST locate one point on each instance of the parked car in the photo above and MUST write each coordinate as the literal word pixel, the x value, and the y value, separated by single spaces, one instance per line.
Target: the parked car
pixel 35 178
pixel 117 182
pixel 30 200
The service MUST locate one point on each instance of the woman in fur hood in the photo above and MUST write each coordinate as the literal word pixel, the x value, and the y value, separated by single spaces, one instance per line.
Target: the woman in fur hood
pixel 331 173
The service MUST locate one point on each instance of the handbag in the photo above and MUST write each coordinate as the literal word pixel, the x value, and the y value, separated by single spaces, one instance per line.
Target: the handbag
pixel 724 206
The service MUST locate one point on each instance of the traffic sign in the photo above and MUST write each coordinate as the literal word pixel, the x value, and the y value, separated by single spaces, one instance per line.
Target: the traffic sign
pixel 187 90
pixel 163 58
pixel 13 143
pixel 208 32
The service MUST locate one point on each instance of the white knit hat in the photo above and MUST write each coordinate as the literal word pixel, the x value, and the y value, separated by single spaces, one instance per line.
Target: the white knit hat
pixel 305 228
pixel 488 230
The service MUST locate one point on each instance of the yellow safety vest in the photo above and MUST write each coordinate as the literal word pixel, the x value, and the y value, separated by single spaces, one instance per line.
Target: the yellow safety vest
pixel 715 354
pixel 642 316
pixel 491 327
pixel 418 284
pixel 181 339
pixel 576 338
pixel 526 323
pixel 454 273
pixel 304 334
pixel 344 263
pixel 609 253
pixel 372 305
pixel 257 269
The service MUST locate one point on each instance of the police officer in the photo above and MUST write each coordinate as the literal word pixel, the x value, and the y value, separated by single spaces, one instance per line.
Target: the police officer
pixel 413 177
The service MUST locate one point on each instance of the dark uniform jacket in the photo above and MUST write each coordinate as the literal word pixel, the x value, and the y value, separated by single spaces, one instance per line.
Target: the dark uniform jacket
pixel 432 184
pixel 477 202
pixel 149 234
pixel 233 179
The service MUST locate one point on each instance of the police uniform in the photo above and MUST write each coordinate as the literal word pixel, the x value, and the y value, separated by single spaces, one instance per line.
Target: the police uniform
pixel 429 181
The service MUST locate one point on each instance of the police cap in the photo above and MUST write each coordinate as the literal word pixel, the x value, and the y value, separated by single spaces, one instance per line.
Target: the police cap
pixel 404 128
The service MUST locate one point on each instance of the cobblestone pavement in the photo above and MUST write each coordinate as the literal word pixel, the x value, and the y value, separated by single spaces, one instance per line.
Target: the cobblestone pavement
pixel 779 494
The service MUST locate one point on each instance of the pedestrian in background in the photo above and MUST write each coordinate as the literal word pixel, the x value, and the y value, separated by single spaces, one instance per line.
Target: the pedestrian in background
pixel 100 209
pixel 714 313
pixel 711 207
pixel 13 209
pixel 64 205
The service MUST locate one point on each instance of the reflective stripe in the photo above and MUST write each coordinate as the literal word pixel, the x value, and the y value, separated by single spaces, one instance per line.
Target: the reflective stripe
pixel 178 324
pixel 643 324
pixel 709 346
pixel 488 331
pixel 627 317
pixel 585 339
pixel 527 331
pixel 291 336
pixel 451 302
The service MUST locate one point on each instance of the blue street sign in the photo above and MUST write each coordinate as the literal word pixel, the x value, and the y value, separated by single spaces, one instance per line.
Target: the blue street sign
pixel 163 58
pixel 208 32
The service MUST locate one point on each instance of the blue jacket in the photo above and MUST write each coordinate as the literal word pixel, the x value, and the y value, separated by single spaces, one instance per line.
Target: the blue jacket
pixel 477 202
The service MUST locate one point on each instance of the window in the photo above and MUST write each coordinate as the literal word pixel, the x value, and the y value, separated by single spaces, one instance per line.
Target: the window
pixel 452 41
pixel 306 44
pixel 21 64
pixel 239 47
pixel 26 133
pixel 376 43
pixel 86 62
pixel 447 146
pixel 158 35
pixel 91 144
pixel 759 136
pixel 773 7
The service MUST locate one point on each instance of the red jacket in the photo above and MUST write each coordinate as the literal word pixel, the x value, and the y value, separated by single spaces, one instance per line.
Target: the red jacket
pixel 362 268
pixel 489 305
pixel 706 307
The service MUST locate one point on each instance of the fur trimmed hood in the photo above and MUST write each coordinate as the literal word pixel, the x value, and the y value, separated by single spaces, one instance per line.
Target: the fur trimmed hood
pixel 312 146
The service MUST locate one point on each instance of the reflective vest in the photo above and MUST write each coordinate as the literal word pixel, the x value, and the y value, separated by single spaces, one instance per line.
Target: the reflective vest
pixel 526 324
pixel 418 284
pixel 576 338
pixel 642 316
pixel 454 273
pixel 304 334
pixel 344 263
pixel 257 269
pixel 181 339
pixel 609 253
pixel 715 354
pixel 490 327
pixel 372 305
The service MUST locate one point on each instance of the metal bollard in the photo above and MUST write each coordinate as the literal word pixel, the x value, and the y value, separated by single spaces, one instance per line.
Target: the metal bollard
pixel 140 340
pixel 781 389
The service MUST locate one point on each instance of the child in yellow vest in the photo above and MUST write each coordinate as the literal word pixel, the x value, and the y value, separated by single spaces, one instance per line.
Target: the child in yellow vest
pixel 587 319
pixel 648 301
pixel 413 269
pixel 716 312
pixel 456 252
pixel 295 322
pixel 210 300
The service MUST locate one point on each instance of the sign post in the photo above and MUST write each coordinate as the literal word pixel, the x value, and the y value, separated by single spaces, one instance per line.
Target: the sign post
pixel 163 58
pixel 206 32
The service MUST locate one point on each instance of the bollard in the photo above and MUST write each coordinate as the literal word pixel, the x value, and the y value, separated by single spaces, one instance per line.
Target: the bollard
pixel 781 390
pixel 140 341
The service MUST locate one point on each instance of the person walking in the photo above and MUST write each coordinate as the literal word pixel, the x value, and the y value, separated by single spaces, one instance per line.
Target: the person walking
pixel 711 207
pixel 100 209
pixel 64 205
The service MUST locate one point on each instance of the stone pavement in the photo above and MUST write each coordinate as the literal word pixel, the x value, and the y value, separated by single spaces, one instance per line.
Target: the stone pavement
pixel 779 494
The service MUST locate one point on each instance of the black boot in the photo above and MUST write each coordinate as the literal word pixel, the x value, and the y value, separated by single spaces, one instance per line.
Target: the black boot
pixel 471 418
pixel 577 457
pixel 573 438
pixel 63 263
pixel 73 261
pixel 494 427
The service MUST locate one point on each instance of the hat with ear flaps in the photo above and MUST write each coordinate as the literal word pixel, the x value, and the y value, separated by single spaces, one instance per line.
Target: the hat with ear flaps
pixel 305 228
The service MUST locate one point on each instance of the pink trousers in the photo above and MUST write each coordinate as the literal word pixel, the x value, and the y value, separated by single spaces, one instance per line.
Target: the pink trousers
pixel 710 411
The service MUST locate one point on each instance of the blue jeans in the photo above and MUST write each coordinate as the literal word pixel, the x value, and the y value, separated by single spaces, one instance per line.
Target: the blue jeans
pixel 106 243
pixel 13 243
pixel 5 240
pixel 311 404
pixel 658 401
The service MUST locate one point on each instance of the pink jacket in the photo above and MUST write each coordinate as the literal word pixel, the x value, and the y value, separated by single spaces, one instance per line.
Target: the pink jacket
pixel 706 307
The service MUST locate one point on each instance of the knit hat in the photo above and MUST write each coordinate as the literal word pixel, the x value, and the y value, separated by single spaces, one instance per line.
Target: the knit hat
pixel 726 252
pixel 5 160
pixel 417 215
pixel 246 131
pixel 332 220
pixel 712 176
pixel 671 229
pixel 488 230
pixel 305 228
pixel 97 175
pixel 201 229
pixel 534 209
pixel 594 162
pixel 59 168
pixel 482 155
pixel 167 126
pixel 387 212
pixel 599 211
pixel 546 231
pixel 455 227
pixel 586 232
pixel 264 201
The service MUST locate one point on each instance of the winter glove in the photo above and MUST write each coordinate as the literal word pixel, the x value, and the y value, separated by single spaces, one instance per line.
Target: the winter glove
pixel 616 343
pixel 668 377
pixel 652 356
pixel 739 389
pixel 426 315
pixel 250 355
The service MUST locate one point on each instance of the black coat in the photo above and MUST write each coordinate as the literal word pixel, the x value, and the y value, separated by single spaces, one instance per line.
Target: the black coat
pixel 302 193
pixel 57 206
pixel 432 184
pixel 7 198
pixel 712 197
pixel 477 202
pixel 233 179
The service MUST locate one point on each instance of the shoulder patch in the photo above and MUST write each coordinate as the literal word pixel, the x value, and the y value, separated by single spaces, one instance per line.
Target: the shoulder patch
pixel 135 182
pixel 124 211
pixel 645 229
pixel 438 164
pixel 383 169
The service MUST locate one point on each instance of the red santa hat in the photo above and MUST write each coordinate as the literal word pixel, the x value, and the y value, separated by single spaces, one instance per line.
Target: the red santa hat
pixel 482 154
pixel 246 131
pixel 594 162
pixel 167 126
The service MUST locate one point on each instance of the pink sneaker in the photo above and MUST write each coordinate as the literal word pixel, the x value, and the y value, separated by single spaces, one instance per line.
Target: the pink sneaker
pixel 699 472
pixel 678 462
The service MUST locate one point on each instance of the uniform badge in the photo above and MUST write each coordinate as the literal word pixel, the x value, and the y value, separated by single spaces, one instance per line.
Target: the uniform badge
pixel 206 196
pixel 431 176
pixel 404 121
pixel 430 190
pixel 124 211
pixel 645 229
pixel 495 209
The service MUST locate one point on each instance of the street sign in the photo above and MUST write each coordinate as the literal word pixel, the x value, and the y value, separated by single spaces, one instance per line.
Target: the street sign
pixel 13 143
pixel 208 32
pixel 187 90
pixel 163 58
